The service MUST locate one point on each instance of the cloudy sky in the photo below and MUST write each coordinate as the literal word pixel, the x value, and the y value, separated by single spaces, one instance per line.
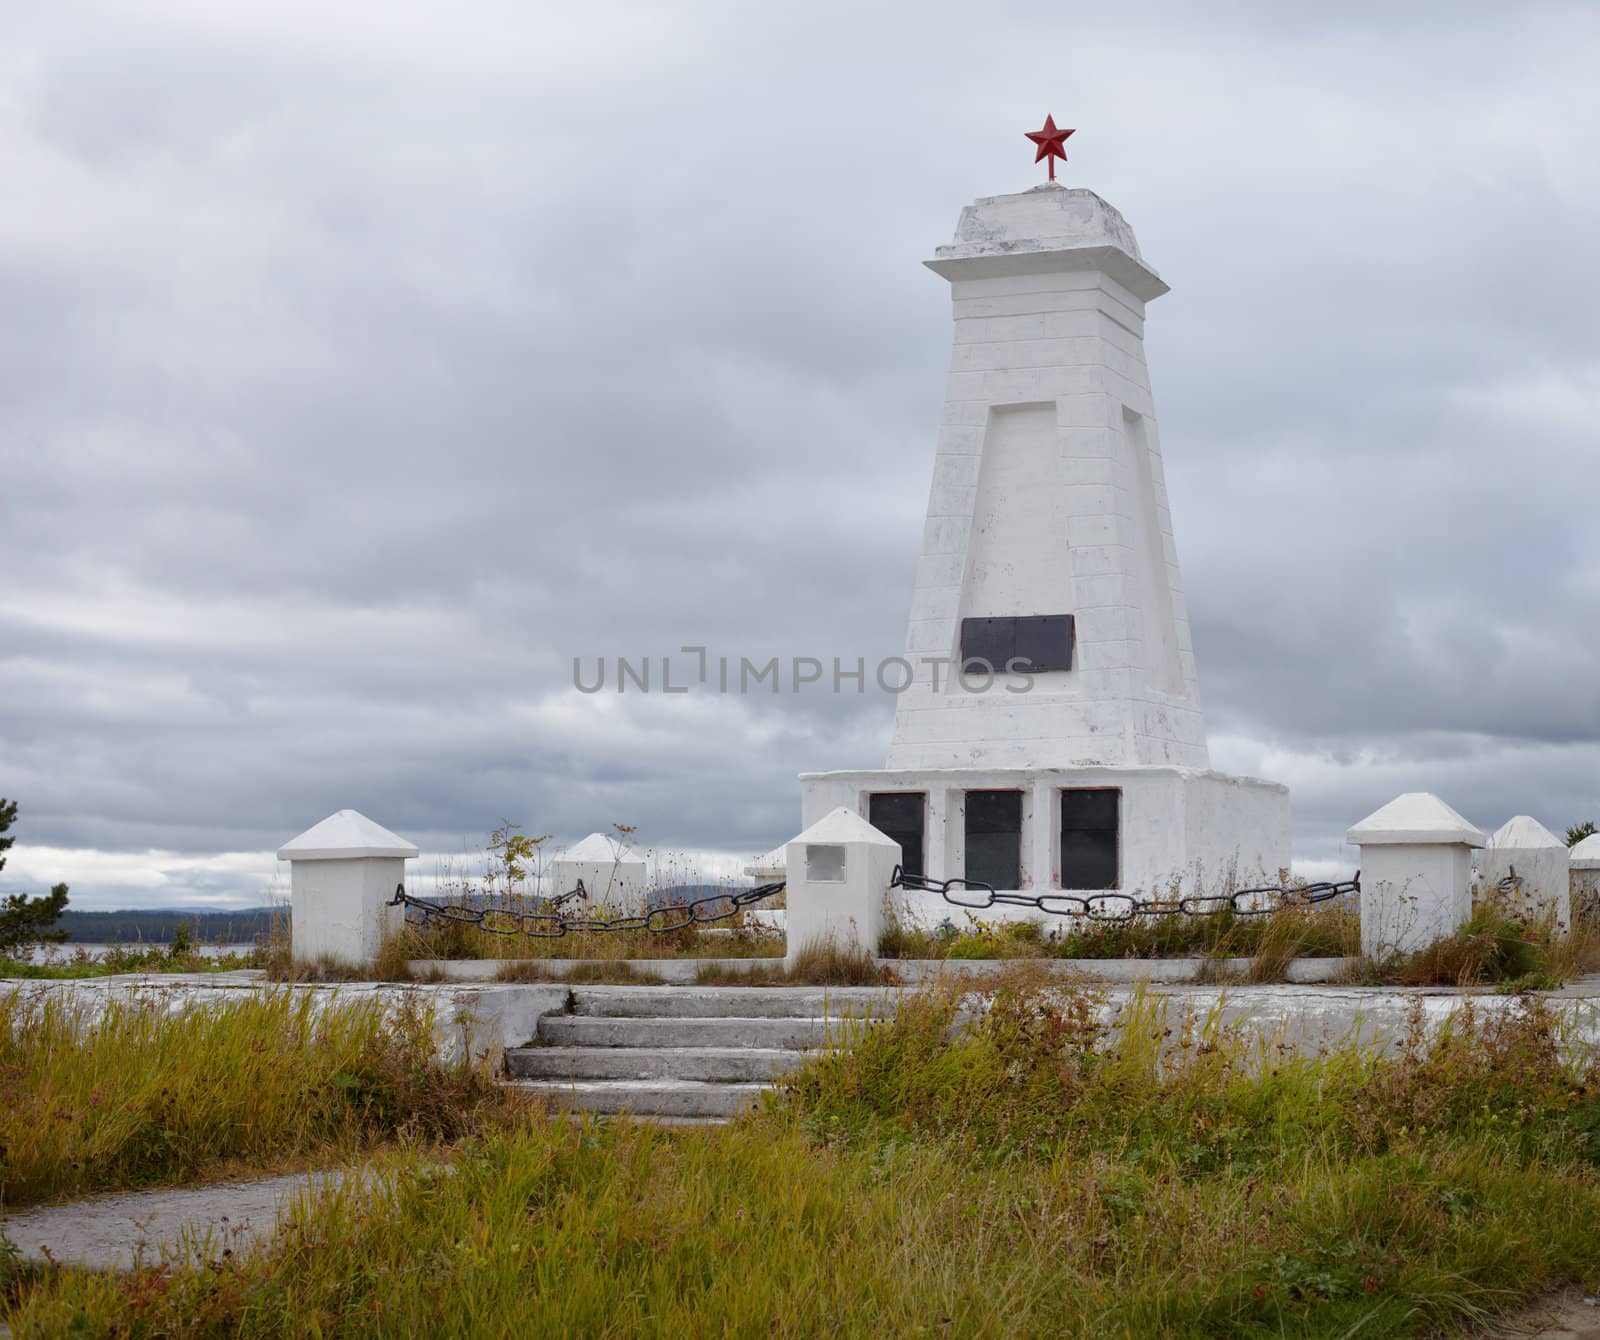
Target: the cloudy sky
pixel 363 364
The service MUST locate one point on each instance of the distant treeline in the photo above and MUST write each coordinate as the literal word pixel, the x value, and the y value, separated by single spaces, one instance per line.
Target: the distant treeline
pixel 154 927
pixel 157 927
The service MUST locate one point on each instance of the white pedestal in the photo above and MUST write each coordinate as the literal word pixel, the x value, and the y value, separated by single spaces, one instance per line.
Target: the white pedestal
pixel 1181 830
pixel 838 874
pixel 343 873
pixel 1416 874
pixel 1536 862
pixel 1584 863
pixel 613 875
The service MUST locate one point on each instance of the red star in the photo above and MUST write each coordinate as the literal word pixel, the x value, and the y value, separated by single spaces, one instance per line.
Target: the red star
pixel 1049 141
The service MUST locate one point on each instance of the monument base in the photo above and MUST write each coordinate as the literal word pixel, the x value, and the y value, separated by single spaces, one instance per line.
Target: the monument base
pixel 1177 830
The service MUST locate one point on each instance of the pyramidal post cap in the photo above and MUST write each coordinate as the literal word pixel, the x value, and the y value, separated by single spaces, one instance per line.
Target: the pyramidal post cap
pixel 600 847
pixel 1585 855
pixel 345 836
pixel 1524 833
pixel 1416 818
pixel 843 825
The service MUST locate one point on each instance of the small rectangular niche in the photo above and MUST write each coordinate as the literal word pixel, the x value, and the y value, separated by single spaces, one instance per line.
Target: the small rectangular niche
pixel 994 838
pixel 1038 642
pixel 1091 834
pixel 825 863
pixel 903 816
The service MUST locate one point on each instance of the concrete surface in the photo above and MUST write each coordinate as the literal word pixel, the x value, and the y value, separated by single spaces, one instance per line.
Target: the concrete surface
pixel 721 1002
pixel 593 1031
pixel 720 1065
pixel 647 1098
pixel 189 1223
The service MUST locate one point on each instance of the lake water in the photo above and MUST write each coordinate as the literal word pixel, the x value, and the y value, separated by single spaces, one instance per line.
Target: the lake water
pixel 67 952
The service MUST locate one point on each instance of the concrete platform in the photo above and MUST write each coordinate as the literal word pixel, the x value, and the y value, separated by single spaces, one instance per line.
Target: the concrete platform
pixel 747 1002
pixel 653 1098
pixel 708 1064
pixel 576 1030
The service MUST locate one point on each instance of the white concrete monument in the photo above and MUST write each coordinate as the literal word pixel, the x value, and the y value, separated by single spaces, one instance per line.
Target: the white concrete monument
pixel 837 872
pixel 1584 862
pixel 1416 873
pixel 1533 862
pixel 1048 554
pixel 342 875
pixel 612 872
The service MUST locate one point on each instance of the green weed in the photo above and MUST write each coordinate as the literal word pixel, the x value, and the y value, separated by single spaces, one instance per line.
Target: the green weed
pixel 1026 1163
pixel 138 1093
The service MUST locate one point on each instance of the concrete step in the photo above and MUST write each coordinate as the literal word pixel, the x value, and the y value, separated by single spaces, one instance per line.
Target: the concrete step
pixel 578 1030
pixel 719 1064
pixel 743 1002
pixel 668 1099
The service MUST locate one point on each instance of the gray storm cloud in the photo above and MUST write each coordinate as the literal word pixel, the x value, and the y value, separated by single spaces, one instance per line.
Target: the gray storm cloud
pixel 362 369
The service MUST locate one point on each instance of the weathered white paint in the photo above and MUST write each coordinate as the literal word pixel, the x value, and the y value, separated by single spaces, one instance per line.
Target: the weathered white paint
pixel 1049 497
pixel 613 874
pixel 1525 851
pixel 1416 873
pixel 342 875
pixel 1584 861
pixel 838 871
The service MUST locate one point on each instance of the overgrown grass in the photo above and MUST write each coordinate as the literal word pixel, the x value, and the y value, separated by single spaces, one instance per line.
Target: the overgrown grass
pixel 393 963
pixel 1495 948
pixel 1037 1173
pixel 595 972
pixel 176 957
pixel 137 1093
pixel 824 963
pixel 1320 932
pixel 457 941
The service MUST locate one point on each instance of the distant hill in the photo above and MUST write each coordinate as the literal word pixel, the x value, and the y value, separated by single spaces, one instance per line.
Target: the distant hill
pixel 158 927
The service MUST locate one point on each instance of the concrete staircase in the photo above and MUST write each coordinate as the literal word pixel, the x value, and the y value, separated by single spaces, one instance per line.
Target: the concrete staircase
pixel 683 1053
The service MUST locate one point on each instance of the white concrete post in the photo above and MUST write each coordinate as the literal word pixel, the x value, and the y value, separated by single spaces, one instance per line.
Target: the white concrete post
pixel 1528 854
pixel 1416 874
pixel 342 874
pixel 1584 863
pixel 613 874
pixel 838 872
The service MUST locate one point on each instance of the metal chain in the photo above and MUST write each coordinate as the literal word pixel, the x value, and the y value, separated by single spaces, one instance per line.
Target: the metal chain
pixel 975 896
pixel 552 926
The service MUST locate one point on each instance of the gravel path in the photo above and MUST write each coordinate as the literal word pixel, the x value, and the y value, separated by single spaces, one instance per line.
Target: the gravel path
pixel 111 1232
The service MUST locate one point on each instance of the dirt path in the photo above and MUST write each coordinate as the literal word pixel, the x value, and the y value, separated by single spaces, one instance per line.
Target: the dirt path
pixel 1566 1315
